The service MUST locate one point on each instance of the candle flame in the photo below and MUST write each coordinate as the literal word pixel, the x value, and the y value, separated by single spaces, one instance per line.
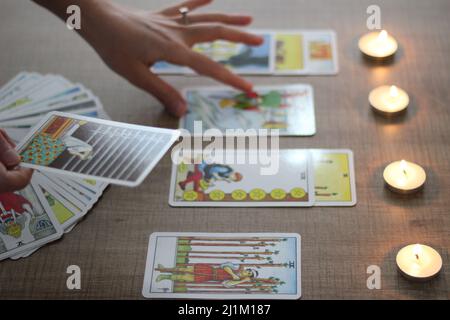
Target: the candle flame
pixel 417 250
pixel 382 36
pixel 403 166
pixel 393 91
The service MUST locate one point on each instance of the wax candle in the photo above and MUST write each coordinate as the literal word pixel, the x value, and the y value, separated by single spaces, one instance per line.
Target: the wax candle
pixel 388 100
pixel 404 177
pixel 378 44
pixel 419 262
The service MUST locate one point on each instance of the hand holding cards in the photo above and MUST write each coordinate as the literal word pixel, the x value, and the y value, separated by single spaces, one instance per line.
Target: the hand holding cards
pixel 73 154
pixel 97 149
pixel 57 199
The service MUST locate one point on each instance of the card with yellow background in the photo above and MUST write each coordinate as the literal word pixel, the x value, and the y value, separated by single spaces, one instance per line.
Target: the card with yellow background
pixel 334 177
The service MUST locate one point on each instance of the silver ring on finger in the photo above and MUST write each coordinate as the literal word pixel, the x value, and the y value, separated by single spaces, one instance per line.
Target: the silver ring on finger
pixel 184 14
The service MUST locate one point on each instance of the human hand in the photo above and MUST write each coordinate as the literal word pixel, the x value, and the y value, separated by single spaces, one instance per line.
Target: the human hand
pixel 12 178
pixel 130 41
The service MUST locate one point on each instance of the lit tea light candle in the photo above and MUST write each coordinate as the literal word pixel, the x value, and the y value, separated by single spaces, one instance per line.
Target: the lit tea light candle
pixel 419 262
pixel 378 44
pixel 388 100
pixel 404 177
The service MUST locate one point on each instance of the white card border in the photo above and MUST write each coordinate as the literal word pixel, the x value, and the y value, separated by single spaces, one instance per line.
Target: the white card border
pixel 149 266
pixel 36 244
pixel 174 136
pixel 181 122
pixel 254 204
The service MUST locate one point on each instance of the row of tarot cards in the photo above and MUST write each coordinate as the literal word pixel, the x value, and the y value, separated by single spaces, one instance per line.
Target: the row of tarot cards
pixel 283 52
pixel 52 204
pixel 105 151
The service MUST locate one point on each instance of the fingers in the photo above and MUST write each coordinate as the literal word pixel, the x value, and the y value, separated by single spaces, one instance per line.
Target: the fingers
pixel 205 66
pixel 8 156
pixel 166 94
pixel 191 5
pixel 208 33
pixel 237 20
pixel 12 180
pixel 5 135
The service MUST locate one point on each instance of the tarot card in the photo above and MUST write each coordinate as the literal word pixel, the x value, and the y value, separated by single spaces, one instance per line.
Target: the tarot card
pixel 239 57
pixel 86 196
pixel 243 179
pixel 65 212
pixel 94 148
pixel 334 177
pixel 66 215
pixel 61 195
pixel 90 184
pixel 321 52
pixel 9 87
pixel 89 107
pixel 223 266
pixel 26 222
pixel 61 189
pixel 19 85
pixel 306 52
pixel 288 109
pixel 49 86
pixel 61 100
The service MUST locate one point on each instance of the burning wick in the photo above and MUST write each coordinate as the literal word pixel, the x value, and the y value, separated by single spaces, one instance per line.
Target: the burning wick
pixel 416 251
pixel 403 166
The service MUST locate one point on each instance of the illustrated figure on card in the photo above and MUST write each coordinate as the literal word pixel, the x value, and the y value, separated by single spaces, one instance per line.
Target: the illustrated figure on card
pixel 238 56
pixel 227 274
pixel 205 174
pixel 215 181
pixel 287 108
pixel 94 149
pixel 15 217
pixel 54 139
pixel 320 50
pixel 215 264
pixel 268 104
pixel 23 220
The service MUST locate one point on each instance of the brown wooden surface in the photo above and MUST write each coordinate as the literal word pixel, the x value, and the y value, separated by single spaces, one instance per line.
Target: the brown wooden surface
pixel 338 243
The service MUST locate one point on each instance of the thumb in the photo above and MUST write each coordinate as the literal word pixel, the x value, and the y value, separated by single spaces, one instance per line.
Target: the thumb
pixel 12 180
pixel 161 90
pixel 8 156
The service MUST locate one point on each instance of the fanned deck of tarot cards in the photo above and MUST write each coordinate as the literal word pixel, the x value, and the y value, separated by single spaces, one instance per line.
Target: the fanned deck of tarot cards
pixel 52 204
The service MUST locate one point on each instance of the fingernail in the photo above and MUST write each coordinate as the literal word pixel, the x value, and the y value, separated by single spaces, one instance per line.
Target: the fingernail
pixel 11 157
pixel 249 87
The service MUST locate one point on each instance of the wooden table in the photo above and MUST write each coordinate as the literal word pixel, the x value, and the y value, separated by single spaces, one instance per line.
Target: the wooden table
pixel 338 243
